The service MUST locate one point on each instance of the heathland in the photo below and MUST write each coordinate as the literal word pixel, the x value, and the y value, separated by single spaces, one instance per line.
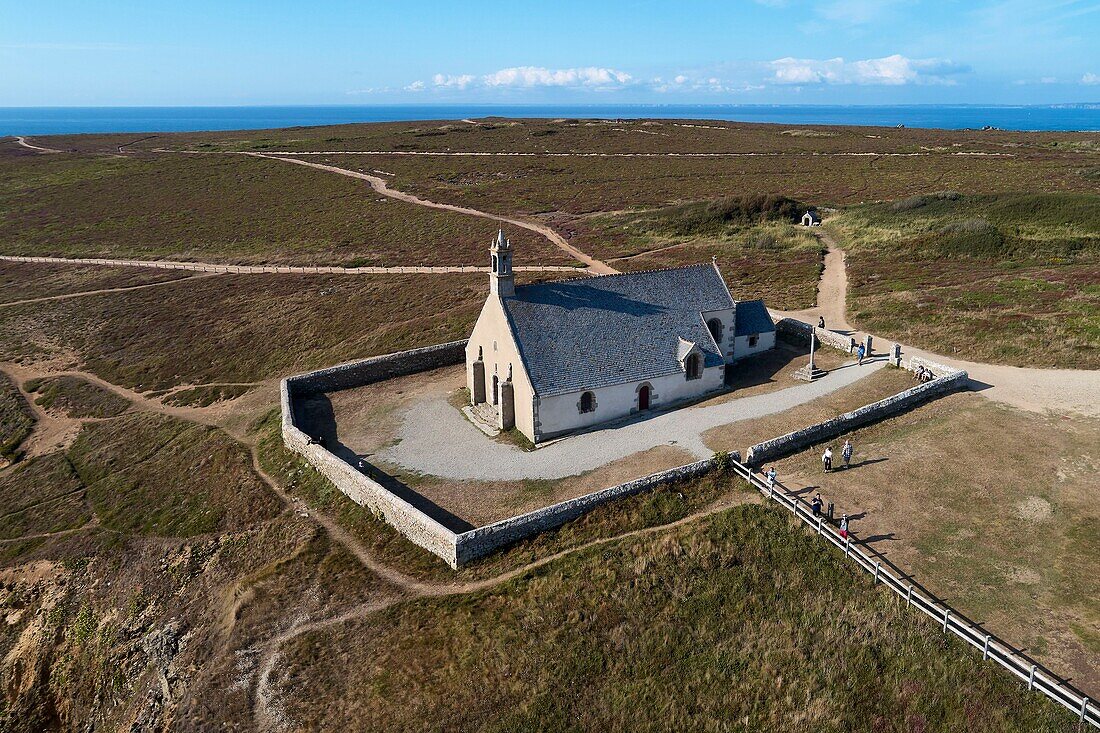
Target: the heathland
pixel 166 563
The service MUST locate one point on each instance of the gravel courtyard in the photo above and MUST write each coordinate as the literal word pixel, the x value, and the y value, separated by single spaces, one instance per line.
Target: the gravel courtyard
pixel 434 438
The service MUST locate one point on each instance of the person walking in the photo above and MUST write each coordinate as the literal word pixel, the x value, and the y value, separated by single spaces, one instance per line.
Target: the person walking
pixel 770 475
pixel 827 458
pixel 815 505
pixel 821 322
pixel 844 526
pixel 860 353
pixel 847 453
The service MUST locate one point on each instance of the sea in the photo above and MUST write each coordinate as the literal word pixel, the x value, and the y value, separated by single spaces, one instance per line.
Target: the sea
pixel 73 120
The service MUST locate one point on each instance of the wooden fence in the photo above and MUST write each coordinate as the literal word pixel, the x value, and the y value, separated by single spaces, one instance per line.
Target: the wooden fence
pixel 1027 671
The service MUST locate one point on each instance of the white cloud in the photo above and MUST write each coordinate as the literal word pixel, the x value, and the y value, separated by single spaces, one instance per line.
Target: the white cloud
pixel 680 79
pixel 892 70
pixel 593 77
pixel 456 82
pixel 416 86
pixel 1090 78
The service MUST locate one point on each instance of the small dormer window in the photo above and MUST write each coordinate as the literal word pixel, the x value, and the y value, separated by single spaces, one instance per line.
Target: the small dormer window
pixel 753 341
pixel 693 366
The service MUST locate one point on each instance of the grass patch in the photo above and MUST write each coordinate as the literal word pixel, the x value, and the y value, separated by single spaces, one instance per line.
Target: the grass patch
pixel 281 324
pixel 16 419
pixel 1009 279
pixel 192 207
pixel 741 617
pixel 156 475
pixel 77 397
pixel 39 496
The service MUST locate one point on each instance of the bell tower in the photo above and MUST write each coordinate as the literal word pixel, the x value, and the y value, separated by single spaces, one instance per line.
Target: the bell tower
pixel 502 281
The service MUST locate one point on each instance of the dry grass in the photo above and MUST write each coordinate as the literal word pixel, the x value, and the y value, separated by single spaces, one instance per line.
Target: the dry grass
pixel 242 328
pixel 739 619
pixel 991 508
pixel 16 419
pixel 739 435
pixel 229 209
pixel 25 280
pixel 76 397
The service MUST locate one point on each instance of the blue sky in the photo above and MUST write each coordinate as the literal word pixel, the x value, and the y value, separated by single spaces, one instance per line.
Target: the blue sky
pixel 202 52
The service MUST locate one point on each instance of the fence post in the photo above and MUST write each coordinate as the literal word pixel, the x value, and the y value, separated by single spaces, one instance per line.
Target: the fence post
pixel 985 650
pixel 1084 704
pixel 1031 678
pixel 847 543
pixel 877 566
pixel 820 519
pixel 946 615
pixel 909 597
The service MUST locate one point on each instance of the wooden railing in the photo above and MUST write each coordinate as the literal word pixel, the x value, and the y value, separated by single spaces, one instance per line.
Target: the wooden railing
pixel 1034 676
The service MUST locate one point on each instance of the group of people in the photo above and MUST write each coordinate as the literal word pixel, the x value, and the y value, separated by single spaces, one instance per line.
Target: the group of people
pixel 827 461
pixel 845 453
pixel 815 506
pixel 923 373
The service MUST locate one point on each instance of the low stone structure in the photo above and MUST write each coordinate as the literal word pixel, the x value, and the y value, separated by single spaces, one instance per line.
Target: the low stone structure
pixel 405 518
pixel 484 540
pixel 459 548
pixel 947 380
pixel 799 332
pixel 454 548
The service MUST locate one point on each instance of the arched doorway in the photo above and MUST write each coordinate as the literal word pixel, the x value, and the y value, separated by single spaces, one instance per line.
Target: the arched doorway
pixel 643 397
pixel 496 390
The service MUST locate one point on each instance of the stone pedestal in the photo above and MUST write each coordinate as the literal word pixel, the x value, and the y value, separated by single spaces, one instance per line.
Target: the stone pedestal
pixel 810 372
pixel 895 355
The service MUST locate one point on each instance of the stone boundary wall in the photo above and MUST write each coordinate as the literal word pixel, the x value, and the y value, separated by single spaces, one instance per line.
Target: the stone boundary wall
pixel 417 526
pixel 769 450
pixel 459 549
pixel 378 368
pixel 479 542
pixel 940 370
pixel 792 327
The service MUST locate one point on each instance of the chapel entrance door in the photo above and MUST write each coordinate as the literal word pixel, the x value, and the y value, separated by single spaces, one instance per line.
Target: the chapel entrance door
pixel 643 397
pixel 496 390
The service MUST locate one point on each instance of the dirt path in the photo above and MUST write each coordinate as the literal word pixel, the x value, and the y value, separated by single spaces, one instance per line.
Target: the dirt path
pixel 380 186
pixel 85 293
pixel 220 268
pixel 266 711
pixel 832 288
pixel 50 432
pixel 20 140
pixel 1034 390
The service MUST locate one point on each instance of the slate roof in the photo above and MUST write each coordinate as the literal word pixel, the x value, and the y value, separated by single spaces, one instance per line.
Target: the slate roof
pixel 599 331
pixel 752 317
